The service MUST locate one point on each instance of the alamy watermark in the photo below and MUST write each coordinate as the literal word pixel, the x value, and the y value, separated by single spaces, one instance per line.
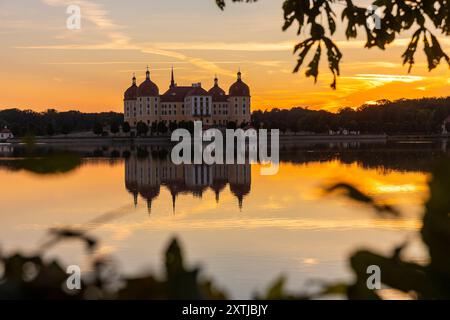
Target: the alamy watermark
pixel 374 280
pixel 231 149
pixel 73 281
pixel 373 19
pixel 73 22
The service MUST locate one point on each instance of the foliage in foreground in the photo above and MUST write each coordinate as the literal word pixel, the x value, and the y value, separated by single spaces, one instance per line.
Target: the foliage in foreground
pixel 318 19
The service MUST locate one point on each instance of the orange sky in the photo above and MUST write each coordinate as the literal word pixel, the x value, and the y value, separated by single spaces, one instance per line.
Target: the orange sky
pixel 45 65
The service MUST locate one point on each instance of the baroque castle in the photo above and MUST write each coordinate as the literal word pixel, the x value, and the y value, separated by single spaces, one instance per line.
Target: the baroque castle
pixel 145 176
pixel 214 107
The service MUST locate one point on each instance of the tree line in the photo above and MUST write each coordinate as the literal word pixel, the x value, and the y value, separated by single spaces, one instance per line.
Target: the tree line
pixel 52 122
pixel 402 116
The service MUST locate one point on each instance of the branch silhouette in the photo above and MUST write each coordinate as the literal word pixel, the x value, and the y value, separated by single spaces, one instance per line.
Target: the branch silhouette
pixel 395 18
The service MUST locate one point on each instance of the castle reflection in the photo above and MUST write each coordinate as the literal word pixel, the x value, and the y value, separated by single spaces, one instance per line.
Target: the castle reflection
pixel 145 174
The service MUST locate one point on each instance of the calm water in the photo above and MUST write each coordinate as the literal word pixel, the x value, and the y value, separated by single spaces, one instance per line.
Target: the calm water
pixel 244 229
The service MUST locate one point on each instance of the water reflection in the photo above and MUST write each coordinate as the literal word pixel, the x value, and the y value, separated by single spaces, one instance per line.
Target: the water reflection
pixel 287 228
pixel 144 176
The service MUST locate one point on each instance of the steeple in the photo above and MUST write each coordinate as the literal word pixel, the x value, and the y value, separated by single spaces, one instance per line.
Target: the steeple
pixel 216 81
pixel 240 202
pixel 149 206
pixel 217 196
pixel 172 81
pixel 147 74
pixel 135 199
pixel 174 198
pixel 134 78
pixel 239 74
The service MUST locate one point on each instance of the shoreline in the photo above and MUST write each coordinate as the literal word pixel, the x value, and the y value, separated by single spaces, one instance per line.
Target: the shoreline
pixel 286 138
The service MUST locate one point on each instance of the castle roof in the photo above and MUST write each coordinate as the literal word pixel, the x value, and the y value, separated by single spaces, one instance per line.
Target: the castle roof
pixel 217 93
pixel 131 92
pixel 239 88
pixel 148 88
pixel 175 94
pixel 197 91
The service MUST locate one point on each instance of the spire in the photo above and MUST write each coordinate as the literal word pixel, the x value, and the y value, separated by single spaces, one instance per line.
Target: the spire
pixel 172 81
pixel 135 199
pixel 149 206
pixel 134 78
pixel 216 81
pixel 239 74
pixel 217 196
pixel 147 74
pixel 174 197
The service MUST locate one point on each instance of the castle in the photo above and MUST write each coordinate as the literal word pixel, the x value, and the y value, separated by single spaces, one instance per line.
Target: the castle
pixel 144 176
pixel 214 107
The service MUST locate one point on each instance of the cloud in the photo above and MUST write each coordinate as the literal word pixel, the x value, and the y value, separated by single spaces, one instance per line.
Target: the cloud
pixel 385 78
pixel 95 14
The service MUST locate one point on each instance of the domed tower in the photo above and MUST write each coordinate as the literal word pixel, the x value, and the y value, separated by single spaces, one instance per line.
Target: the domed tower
pixel 130 102
pixel 147 101
pixel 219 103
pixel 239 101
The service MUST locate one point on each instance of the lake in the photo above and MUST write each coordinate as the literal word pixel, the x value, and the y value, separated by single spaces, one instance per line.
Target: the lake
pixel 242 228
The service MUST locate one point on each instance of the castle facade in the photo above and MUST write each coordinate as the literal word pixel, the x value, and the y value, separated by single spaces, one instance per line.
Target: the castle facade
pixel 214 107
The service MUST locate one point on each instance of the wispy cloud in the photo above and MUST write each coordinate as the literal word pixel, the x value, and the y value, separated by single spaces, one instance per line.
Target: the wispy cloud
pixel 385 78
pixel 97 15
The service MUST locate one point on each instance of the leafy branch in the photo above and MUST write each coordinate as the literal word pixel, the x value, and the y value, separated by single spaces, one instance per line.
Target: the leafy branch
pixel 395 17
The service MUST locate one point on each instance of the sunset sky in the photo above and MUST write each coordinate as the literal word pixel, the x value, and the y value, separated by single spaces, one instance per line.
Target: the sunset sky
pixel 44 65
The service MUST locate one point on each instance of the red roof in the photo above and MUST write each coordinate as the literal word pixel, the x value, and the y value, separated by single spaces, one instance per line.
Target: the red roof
pixel 197 91
pixel 218 94
pixel 175 94
pixel 239 89
pixel 148 89
pixel 131 93
pixel 5 130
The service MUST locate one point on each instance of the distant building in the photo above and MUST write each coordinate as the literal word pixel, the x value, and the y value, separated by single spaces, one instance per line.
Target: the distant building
pixel 445 124
pixel 5 134
pixel 144 103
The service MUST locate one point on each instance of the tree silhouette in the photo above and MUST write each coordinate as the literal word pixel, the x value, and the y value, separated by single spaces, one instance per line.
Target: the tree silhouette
pixel 115 127
pixel 162 127
pixel 395 17
pixel 141 128
pixel 98 128
pixel 126 127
